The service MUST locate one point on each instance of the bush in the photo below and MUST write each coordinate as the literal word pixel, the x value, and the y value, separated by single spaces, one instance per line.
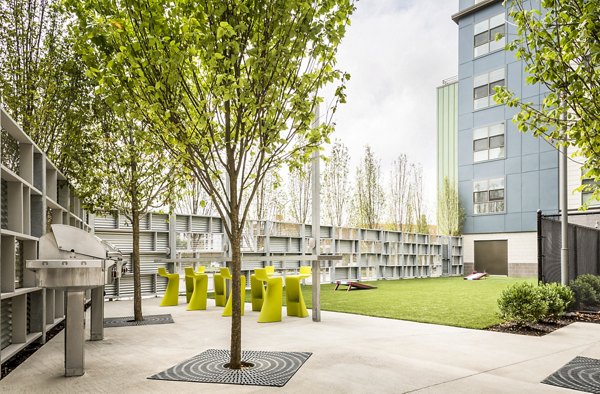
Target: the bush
pixel 522 303
pixel 587 291
pixel 558 297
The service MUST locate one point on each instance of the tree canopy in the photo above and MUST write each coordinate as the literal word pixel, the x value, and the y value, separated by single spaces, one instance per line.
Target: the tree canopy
pixel 560 45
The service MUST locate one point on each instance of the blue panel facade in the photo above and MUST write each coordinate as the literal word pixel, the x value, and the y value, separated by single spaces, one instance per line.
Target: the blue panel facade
pixel 528 166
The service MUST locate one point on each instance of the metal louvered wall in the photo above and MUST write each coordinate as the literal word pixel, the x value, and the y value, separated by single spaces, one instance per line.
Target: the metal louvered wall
pixel 6 321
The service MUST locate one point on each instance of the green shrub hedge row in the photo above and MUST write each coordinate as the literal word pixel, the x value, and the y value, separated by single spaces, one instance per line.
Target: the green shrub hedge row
pixel 529 303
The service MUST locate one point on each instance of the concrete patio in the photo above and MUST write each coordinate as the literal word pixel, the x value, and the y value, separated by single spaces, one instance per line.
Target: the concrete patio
pixel 351 354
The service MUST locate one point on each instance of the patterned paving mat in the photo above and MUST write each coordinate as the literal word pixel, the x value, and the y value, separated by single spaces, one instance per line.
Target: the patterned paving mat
pixel 269 368
pixel 581 373
pixel 128 321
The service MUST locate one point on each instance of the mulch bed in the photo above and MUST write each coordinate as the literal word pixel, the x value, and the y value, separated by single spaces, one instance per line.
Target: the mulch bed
pixel 549 325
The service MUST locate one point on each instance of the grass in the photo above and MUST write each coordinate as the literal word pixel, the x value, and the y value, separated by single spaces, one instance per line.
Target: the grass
pixel 447 301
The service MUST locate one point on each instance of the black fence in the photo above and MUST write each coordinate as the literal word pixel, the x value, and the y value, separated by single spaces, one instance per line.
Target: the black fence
pixel 584 249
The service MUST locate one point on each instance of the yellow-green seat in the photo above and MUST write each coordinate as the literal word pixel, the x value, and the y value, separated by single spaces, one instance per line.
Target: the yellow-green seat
pixel 257 293
pixel 228 308
pixel 294 298
pixel 198 298
pixel 271 308
pixel 189 280
pixel 305 272
pixel 219 283
pixel 171 296
pixel 270 270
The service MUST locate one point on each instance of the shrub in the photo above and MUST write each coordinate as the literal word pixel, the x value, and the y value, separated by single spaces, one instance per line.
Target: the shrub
pixel 522 303
pixel 558 298
pixel 587 290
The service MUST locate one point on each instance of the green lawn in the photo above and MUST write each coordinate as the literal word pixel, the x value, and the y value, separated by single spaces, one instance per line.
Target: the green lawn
pixel 447 301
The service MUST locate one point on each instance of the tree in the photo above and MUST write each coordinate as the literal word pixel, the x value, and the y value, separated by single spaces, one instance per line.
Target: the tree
pixel 43 84
pixel 194 200
pixel 416 207
pixel 368 198
pixel 450 215
pixel 270 200
pixel 300 193
pixel 232 85
pixel 398 192
pixel 559 45
pixel 131 175
pixel 335 185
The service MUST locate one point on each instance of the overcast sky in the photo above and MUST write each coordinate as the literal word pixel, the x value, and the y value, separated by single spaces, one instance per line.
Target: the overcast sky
pixel 397 52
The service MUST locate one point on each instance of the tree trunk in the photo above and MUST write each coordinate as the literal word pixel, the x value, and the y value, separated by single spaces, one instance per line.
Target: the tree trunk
pixel 236 314
pixel 135 255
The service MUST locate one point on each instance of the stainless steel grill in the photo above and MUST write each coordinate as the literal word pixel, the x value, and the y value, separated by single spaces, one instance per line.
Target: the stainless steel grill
pixel 75 261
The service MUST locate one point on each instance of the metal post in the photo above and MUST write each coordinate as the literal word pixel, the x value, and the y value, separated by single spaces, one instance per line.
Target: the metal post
pixel 97 314
pixel 316 228
pixel 74 334
pixel 539 247
pixel 564 208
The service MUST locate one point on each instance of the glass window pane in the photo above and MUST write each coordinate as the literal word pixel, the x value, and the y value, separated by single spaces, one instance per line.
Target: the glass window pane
pixel 494 84
pixel 481 38
pixel 481 132
pixel 481 27
pixel 496 206
pixel 496 183
pixel 481 103
pixel 497 20
pixel 480 156
pixel 480 185
pixel 481 80
pixel 497 194
pixel 479 197
pixel 480 208
pixel 481 50
pixel 495 45
pixel 497 75
pixel 479 145
pixel 497 141
pixel 496 33
pixel 496 153
pixel 497 129
pixel 480 92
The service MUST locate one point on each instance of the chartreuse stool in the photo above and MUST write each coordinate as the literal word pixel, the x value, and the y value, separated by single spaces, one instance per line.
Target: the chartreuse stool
pixel 219 283
pixel 295 301
pixel 257 293
pixel 227 275
pixel 171 297
pixel 270 270
pixel 271 308
pixel 189 281
pixel 197 300
pixel 305 271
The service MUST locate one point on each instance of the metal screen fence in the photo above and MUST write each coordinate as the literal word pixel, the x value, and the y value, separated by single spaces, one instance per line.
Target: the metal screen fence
pixel 584 249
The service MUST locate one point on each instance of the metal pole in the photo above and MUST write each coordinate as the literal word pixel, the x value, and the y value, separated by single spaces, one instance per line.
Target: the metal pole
pixel 316 228
pixel 97 314
pixel 564 208
pixel 74 334
pixel 539 246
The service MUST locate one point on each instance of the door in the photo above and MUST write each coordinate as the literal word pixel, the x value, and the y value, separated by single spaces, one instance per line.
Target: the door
pixel 491 257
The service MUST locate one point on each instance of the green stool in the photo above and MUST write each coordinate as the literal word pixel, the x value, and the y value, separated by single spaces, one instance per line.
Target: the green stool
pixel 295 299
pixel 189 281
pixel 271 308
pixel 198 298
pixel 257 292
pixel 171 297
pixel 219 283
pixel 305 272
pixel 227 275
pixel 270 270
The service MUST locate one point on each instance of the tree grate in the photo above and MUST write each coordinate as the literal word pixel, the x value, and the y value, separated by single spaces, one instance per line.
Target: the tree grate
pixel 128 321
pixel 269 368
pixel 581 374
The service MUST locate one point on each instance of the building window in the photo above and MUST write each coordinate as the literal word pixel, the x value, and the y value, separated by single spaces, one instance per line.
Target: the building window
pixel 488 143
pixel 488 196
pixel 485 34
pixel 483 88
pixel 586 193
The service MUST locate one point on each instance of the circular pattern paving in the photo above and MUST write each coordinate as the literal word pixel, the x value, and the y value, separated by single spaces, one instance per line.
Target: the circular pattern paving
pixel 269 368
pixel 581 374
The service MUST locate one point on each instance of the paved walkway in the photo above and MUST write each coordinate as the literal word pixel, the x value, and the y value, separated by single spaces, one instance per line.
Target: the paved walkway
pixel 351 354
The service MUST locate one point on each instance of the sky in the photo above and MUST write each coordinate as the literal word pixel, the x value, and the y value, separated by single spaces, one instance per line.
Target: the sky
pixel 397 53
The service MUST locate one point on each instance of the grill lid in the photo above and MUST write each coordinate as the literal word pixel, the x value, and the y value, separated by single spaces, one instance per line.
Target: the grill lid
pixel 68 239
